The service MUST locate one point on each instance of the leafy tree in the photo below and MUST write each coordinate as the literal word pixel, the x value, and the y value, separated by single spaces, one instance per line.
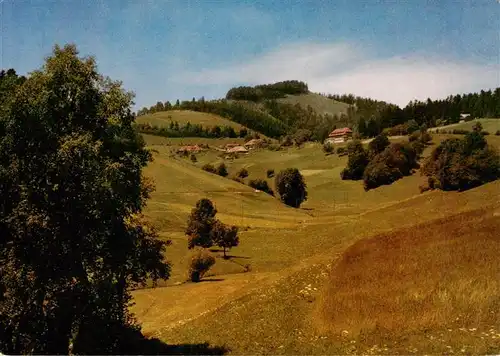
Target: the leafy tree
pixel 261 184
pixel 222 170
pixel 357 161
pixel 73 242
pixel 200 223
pixel 378 145
pixel 200 264
pixel 243 173
pixel 291 187
pixel 461 164
pixel 395 162
pixel 412 126
pixel 301 136
pixel 224 236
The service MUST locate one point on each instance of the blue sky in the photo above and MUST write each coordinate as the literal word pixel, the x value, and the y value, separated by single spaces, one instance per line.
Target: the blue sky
pixel 163 50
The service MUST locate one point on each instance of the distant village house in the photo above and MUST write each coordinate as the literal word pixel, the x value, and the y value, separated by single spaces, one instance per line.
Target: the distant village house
pixel 237 149
pixel 254 143
pixel 189 149
pixel 339 135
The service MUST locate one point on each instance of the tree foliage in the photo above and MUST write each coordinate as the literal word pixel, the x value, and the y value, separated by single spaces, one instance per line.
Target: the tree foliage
pixel 378 145
pixel 291 187
pixel 396 161
pixel 357 161
pixel 243 173
pixel 224 236
pixel 268 91
pixel 200 224
pixel 73 242
pixel 261 184
pixel 461 164
pixel 222 170
pixel 189 130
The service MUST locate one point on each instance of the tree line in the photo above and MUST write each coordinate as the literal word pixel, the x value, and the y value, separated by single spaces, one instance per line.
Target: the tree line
pixel 271 118
pixel 372 116
pixel 268 91
pixel 256 120
pixel 190 130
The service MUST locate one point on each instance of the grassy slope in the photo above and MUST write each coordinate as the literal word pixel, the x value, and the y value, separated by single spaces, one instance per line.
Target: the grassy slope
pixel 164 118
pixel 287 249
pixel 318 102
pixel 152 140
pixel 489 125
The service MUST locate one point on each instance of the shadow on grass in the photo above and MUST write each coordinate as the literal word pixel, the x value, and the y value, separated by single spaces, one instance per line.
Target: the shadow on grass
pixel 157 347
pixel 211 280
pixel 135 343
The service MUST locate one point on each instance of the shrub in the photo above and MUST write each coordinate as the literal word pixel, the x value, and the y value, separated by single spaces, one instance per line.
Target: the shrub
pixel 287 141
pixel 200 263
pixel 497 133
pixel 341 151
pixel 262 185
pixel 328 148
pixel 301 136
pixel 461 164
pixel 200 223
pixel 243 173
pixel 485 133
pixel 222 170
pixel 193 158
pixel 270 173
pixel 274 147
pixel 238 179
pixel 209 168
pixel 358 160
pixel 291 187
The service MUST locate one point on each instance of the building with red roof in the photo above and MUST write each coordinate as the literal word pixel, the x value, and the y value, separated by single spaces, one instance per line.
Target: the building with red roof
pixel 339 135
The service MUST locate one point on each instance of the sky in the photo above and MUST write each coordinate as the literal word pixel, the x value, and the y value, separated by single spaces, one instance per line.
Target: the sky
pixel 397 51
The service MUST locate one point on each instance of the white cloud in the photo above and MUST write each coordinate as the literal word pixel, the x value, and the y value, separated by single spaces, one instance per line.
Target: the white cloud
pixel 343 68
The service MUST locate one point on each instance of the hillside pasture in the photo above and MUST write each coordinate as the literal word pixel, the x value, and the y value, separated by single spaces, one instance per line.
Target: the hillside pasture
pixel 319 103
pixel 163 118
pixel 293 254
pixel 489 125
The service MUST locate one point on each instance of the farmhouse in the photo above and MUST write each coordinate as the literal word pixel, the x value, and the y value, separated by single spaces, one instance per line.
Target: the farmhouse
pixel 237 149
pixel 339 135
pixel 194 148
pixel 254 143
pixel 464 117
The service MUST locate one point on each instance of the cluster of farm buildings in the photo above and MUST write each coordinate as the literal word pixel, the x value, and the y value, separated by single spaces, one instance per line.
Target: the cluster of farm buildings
pixel 336 136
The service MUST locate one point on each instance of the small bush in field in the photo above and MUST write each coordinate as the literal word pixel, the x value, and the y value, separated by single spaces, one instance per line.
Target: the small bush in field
pixel 243 173
pixel 328 148
pixel 497 133
pixel 209 168
pixel 193 158
pixel 262 185
pixel 222 170
pixel 238 179
pixel 270 173
pixel 200 264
